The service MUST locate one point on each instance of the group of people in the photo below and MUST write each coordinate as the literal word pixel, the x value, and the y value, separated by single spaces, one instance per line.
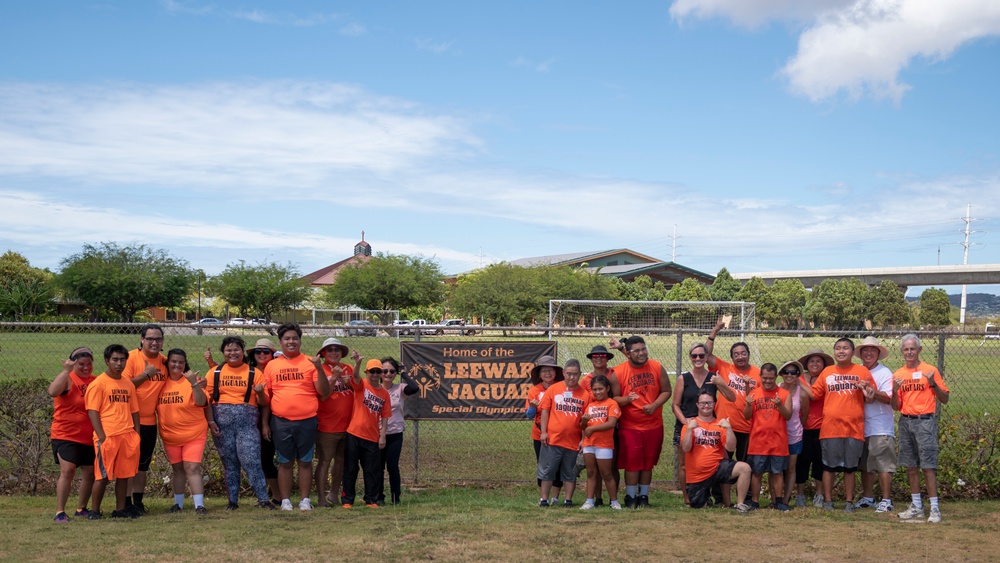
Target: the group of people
pixel 258 405
pixel 735 422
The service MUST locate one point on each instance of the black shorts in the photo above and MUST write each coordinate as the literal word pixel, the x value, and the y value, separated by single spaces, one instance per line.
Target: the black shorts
pixel 294 439
pixel 147 443
pixel 80 455
pixel 699 493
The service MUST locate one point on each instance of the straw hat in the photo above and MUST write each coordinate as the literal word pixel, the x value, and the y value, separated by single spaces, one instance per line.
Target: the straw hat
pixel 827 358
pixel 265 343
pixel 545 362
pixel 871 341
pixel 344 350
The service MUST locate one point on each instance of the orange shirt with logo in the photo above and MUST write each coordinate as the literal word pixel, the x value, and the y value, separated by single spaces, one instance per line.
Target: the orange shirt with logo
pixel 114 400
pixel 708 447
pixel 768 429
pixel 915 396
pixel 564 414
pixel 371 405
pixel 645 381
pixel 814 420
pixel 536 393
pixel 69 418
pixel 290 384
pixel 335 412
pixel 181 420
pixel 233 384
pixel 148 391
pixel 843 402
pixel 742 383
pixel 599 413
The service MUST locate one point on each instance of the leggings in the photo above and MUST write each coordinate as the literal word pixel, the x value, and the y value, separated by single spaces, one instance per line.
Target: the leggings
pixel 390 462
pixel 239 446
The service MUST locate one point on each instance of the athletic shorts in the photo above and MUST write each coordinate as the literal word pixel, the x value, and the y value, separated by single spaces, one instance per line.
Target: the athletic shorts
pixel 699 493
pixel 294 439
pixel 80 455
pixel 773 464
pixel 879 455
pixel 191 452
pixel 918 446
pixel 117 457
pixel 795 449
pixel 557 463
pixel 328 443
pixel 599 453
pixel 841 455
pixel 640 449
pixel 147 443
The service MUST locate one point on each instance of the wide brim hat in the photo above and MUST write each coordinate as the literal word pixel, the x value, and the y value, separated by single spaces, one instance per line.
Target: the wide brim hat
pixel 599 349
pixel 344 350
pixel 827 358
pixel 792 363
pixel 873 342
pixel 265 343
pixel 545 362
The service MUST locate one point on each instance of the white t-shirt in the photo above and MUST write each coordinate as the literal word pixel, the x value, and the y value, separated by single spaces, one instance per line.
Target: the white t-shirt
pixel 879 420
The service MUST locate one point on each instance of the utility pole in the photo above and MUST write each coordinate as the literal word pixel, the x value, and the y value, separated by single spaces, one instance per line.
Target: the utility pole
pixel 968 231
pixel 673 252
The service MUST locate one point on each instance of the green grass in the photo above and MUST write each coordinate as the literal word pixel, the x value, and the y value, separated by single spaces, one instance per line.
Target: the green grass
pixel 496 524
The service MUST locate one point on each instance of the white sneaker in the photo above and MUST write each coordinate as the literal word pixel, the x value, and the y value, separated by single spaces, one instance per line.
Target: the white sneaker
pixel 588 505
pixel 935 516
pixel 818 501
pixel 286 504
pixel 884 506
pixel 615 505
pixel 305 504
pixel 912 512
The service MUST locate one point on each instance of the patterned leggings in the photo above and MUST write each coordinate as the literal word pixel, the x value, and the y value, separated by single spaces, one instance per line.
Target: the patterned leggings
pixel 239 446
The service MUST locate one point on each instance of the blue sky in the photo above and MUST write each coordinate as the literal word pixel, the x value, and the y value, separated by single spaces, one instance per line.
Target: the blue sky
pixel 776 134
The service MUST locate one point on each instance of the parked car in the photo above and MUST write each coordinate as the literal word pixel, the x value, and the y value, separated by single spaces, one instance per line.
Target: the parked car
pixel 423 326
pixel 401 328
pixel 260 321
pixel 238 321
pixel 361 328
pixel 208 321
pixel 456 326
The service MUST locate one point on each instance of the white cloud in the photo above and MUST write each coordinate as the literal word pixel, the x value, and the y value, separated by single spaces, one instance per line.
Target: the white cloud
pixel 190 8
pixel 353 29
pixel 250 133
pixel 436 47
pixel 859 47
pixel 542 66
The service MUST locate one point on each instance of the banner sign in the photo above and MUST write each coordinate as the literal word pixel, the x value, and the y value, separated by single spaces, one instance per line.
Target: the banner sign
pixel 471 380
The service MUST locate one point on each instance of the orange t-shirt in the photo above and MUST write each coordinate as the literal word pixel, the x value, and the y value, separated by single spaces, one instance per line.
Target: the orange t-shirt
pixel 564 415
pixel 371 405
pixel 181 421
pixel 148 391
pixel 768 429
pixel 915 396
pixel 233 384
pixel 599 413
pixel 536 393
pixel 814 420
pixel 645 381
pixel 843 402
pixel 291 387
pixel 114 400
pixel 741 382
pixel 708 447
pixel 335 412
pixel 69 419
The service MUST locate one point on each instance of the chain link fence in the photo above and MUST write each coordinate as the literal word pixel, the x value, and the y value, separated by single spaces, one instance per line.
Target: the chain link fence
pixel 460 451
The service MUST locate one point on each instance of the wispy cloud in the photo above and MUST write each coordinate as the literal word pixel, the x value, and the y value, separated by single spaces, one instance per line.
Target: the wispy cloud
pixel 859 47
pixel 542 66
pixel 433 46
pixel 267 17
pixel 353 29
pixel 190 8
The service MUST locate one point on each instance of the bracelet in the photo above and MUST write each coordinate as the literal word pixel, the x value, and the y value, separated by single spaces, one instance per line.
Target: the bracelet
pixel 712 338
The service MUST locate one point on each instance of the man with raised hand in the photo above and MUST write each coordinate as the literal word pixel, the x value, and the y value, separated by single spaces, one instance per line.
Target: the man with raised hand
pixel 641 387
pixel 916 389
pixel 742 378
pixel 705 440
pixel 879 454
pixel 147 369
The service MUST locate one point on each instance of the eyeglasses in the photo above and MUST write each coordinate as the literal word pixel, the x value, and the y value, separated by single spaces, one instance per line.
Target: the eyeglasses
pixel 638 350
pixel 375 371
pixel 389 372
pixel 160 339
pixel 790 372
pixel 704 404
pixel 262 351
pixel 593 356
pixel 699 356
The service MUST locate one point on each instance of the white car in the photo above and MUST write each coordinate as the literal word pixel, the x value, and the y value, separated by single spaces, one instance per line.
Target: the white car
pixel 238 321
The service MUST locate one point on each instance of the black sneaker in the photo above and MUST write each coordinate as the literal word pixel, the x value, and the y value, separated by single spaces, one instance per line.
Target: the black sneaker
pixel 599 501
pixel 567 502
pixel 133 510
pixel 201 510
pixel 94 515
pixel 629 502
pixel 642 501
pixel 175 509
pixel 232 506
pixel 126 513
pixel 543 503
pixel 267 505
pixel 782 507
pixel 140 508
pixel 751 505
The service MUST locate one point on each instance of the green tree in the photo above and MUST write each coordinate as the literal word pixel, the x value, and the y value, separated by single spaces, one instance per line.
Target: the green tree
pixel 24 290
pixel 725 287
pixel 389 281
pixel 564 282
pixel 125 279
pixel 837 304
pixel 753 291
pixel 642 288
pixel 886 305
pixel 935 309
pixel 260 290
pixel 500 294
pixel 688 290
pixel 783 303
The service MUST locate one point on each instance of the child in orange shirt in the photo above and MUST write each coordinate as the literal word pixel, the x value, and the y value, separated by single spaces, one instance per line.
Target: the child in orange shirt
pixel 598 423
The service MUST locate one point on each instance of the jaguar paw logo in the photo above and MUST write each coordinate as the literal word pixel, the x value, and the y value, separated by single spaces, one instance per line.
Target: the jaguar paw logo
pixel 427 378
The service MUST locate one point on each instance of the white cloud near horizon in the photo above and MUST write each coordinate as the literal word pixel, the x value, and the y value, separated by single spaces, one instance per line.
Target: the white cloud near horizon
pixel 859 47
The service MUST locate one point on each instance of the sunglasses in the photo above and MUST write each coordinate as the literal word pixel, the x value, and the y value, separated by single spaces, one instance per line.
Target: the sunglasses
pixel 375 371
pixel 262 351
pixel 790 372
pixel 698 355
pixel 389 372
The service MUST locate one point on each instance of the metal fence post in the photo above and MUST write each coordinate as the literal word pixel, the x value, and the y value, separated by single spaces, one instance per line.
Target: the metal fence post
pixel 416 449
pixel 680 352
pixel 679 366
pixel 940 354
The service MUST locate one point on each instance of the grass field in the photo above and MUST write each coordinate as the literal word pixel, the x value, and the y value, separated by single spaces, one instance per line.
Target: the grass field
pixel 497 524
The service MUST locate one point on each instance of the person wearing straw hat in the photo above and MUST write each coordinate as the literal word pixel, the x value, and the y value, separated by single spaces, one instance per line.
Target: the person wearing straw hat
pixel 545 373
pixel 791 381
pixel 810 461
pixel 879 454
pixel 333 418
pixel 917 388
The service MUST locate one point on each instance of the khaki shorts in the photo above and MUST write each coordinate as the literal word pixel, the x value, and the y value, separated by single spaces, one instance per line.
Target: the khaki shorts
pixel 879 455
